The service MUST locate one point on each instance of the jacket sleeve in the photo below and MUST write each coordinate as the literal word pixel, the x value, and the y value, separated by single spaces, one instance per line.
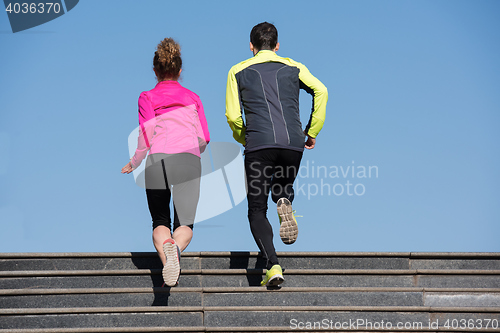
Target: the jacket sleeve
pixel 146 129
pixel 319 93
pixel 233 108
pixel 203 120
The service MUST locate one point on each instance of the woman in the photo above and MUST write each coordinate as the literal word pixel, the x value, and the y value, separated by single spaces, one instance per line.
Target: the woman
pixel 173 129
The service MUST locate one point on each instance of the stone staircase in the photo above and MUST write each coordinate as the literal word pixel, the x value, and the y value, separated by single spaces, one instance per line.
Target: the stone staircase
pixel 220 292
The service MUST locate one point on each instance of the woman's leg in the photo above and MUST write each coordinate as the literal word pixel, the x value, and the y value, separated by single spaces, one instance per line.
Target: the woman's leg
pixel 182 236
pixel 160 234
pixel 184 172
pixel 184 178
pixel 158 196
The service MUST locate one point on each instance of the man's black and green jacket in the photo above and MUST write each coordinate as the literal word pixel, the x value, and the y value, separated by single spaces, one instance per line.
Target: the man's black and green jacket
pixel 266 87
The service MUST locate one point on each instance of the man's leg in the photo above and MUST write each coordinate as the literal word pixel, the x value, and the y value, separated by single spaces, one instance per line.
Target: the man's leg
pixel 259 168
pixel 287 168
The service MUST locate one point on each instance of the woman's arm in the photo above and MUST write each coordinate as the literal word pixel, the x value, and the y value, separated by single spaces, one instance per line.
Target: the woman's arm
pixel 203 120
pixel 146 130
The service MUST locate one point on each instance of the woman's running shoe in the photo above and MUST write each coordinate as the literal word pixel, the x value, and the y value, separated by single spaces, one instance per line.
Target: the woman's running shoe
pixel 172 268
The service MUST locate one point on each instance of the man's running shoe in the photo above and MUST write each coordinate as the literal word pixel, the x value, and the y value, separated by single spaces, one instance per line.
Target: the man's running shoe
pixel 274 277
pixel 172 268
pixel 289 229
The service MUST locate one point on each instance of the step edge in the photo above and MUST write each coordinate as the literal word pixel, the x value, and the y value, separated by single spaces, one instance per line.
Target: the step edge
pixel 107 329
pixel 259 289
pixel 77 291
pixel 299 308
pixel 205 329
pixel 92 310
pixel 454 255
pixel 323 308
pixel 201 254
pixel 244 271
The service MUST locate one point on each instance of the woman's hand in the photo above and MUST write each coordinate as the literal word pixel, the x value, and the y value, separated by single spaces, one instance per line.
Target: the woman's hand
pixel 128 168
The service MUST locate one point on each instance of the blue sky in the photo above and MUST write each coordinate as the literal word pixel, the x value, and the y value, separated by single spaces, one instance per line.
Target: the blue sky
pixel 414 94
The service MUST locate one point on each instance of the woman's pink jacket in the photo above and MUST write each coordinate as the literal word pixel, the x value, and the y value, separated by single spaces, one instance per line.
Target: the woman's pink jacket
pixel 172 121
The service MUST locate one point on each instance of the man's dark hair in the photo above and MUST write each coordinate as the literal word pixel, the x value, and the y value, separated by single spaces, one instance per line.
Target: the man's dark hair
pixel 264 36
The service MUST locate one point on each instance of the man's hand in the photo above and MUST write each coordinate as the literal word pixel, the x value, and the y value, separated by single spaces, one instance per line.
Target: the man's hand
pixel 310 143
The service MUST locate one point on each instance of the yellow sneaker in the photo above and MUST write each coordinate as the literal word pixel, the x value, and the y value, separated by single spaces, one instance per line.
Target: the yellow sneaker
pixel 274 277
pixel 289 230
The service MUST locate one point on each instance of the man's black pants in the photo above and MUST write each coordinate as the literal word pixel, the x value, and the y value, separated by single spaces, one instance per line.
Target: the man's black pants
pixel 268 170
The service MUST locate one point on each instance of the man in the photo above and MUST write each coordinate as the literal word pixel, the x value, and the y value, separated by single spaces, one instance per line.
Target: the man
pixel 266 87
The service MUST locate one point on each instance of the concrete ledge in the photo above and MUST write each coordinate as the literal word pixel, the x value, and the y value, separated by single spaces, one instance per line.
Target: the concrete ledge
pixel 455 255
pixel 243 271
pixel 210 329
pixel 353 309
pixel 257 289
pixel 131 309
pixel 107 330
pixel 419 255
pixel 80 272
pixel 160 309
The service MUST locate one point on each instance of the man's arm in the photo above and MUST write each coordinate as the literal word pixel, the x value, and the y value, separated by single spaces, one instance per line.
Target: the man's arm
pixel 233 109
pixel 319 94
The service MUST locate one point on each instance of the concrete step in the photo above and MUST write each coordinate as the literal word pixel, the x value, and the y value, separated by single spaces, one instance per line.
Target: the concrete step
pixel 221 292
pixel 101 298
pixel 357 319
pixel 251 318
pixel 252 277
pixel 205 260
pixel 108 317
pixel 209 297
pixel 250 260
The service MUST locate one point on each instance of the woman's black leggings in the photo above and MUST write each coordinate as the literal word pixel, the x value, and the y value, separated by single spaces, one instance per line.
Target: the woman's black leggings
pixel 177 176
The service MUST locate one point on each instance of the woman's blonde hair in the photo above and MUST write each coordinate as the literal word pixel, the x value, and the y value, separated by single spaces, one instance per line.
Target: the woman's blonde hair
pixel 167 61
